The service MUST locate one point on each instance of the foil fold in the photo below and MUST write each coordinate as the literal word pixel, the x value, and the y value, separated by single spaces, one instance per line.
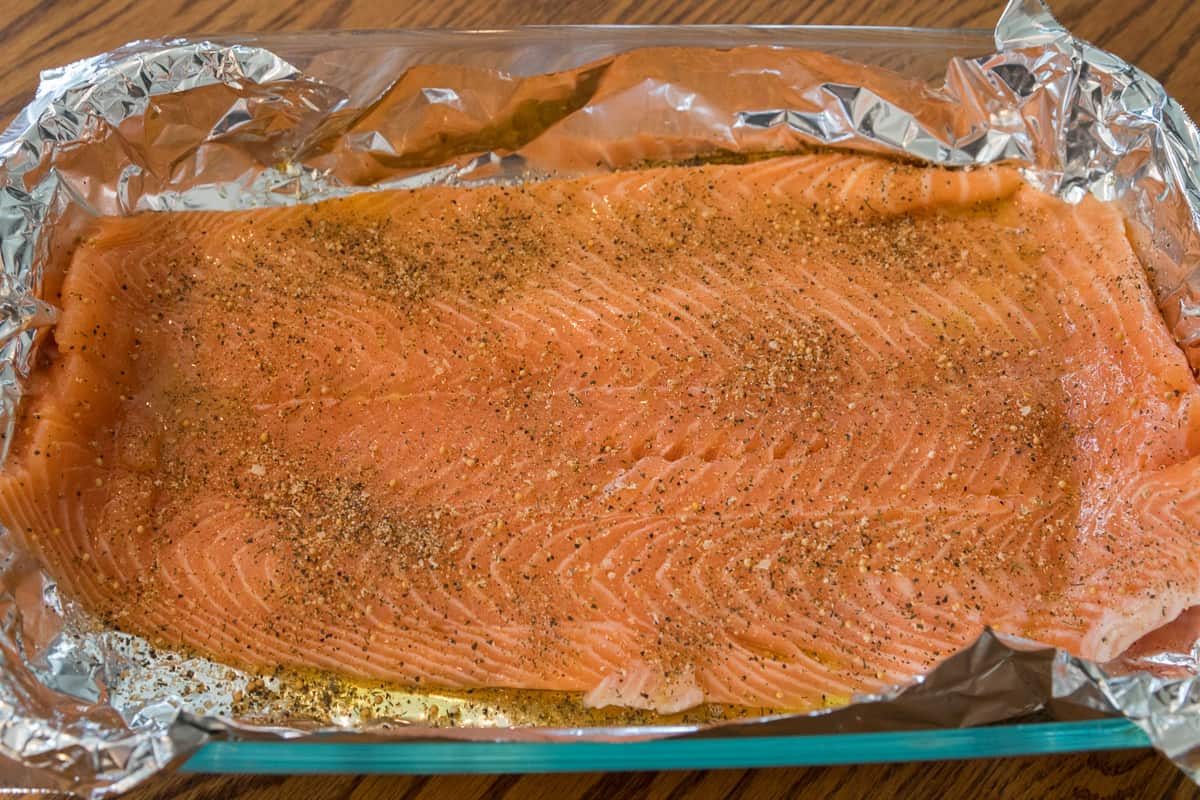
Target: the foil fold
pixel 252 121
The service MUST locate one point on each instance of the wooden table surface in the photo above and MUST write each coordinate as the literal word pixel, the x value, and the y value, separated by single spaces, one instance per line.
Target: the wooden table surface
pixel 1160 36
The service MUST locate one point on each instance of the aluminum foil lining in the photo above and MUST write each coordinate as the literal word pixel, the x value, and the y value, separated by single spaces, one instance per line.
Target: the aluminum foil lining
pixel 245 122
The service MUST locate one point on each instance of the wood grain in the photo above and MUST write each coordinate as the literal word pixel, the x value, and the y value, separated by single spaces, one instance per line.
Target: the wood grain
pixel 1162 37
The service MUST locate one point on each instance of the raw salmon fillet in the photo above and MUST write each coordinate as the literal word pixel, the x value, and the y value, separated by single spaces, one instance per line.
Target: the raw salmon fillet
pixel 761 434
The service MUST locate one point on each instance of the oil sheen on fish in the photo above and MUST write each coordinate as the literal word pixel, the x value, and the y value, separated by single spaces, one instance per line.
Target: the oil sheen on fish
pixel 761 434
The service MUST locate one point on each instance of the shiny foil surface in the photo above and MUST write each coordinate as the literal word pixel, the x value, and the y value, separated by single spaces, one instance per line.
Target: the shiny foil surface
pixel 251 121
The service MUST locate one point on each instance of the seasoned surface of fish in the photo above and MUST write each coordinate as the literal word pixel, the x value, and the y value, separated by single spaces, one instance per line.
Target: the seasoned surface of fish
pixel 762 434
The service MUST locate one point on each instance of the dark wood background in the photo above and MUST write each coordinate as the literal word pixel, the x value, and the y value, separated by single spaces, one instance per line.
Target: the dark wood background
pixel 1161 36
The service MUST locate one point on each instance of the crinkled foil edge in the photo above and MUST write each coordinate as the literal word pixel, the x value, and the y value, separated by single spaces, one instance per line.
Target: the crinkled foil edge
pixel 1077 119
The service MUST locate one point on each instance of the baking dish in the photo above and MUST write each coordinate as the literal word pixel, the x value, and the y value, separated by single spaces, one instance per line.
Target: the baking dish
pixel 432 758
pixel 362 65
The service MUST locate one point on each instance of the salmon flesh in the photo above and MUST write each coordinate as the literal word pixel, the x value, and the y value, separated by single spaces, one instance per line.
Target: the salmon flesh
pixel 764 434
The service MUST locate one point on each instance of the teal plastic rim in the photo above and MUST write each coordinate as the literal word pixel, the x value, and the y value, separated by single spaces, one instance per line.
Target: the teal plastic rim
pixel 446 758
